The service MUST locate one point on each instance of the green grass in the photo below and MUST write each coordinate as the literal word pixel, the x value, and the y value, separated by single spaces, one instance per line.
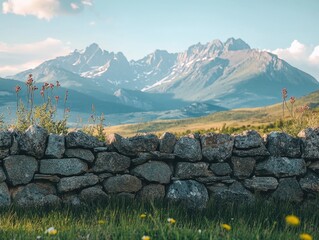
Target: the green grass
pixel 122 221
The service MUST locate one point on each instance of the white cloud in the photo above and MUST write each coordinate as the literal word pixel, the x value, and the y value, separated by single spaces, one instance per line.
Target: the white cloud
pixel 44 9
pixel 18 57
pixel 301 56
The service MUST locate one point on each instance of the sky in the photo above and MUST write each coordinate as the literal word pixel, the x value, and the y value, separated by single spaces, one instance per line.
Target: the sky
pixel 32 31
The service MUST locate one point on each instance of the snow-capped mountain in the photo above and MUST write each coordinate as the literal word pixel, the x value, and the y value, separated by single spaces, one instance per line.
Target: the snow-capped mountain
pixel 229 73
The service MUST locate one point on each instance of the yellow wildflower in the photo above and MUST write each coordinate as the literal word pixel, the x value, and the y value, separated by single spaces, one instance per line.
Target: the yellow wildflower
pixel 51 231
pixel 292 220
pixel 171 220
pixel 101 222
pixel 143 215
pixel 305 236
pixel 146 238
pixel 226 226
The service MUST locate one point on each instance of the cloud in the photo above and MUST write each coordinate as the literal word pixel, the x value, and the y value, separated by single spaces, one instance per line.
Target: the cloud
pixel 44 9
pixel 18 57
pixel 301 56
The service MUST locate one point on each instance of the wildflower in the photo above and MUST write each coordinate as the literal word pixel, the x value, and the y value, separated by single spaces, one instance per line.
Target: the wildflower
pixel 58 84
pixel 226 226
pixel 42 93
pixel 18 88
pixel 146 237
pixel 30 80
pixel 292 100
pixel 35 88
pixel 143 215
pixel 292 220
pixel 305 236
pixel 51 85
pixel 51 231
pixel 284 93
pixel 199 231
pixel 101 222
pixel 57 98
pixel 171 220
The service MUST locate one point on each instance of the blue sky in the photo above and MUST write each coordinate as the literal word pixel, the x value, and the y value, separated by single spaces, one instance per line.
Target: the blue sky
pixel 36 30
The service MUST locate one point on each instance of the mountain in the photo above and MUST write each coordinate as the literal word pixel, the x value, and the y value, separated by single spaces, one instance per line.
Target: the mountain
pixel 229 74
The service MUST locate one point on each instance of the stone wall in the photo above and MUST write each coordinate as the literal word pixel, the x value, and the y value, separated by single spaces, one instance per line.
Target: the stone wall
pixel 41 169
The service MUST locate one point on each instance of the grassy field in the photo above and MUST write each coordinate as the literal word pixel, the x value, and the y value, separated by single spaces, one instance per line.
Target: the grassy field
pixel 237 118
pixel 124 220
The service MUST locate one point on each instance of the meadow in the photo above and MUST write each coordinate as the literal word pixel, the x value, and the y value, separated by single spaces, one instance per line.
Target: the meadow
pixel 123 219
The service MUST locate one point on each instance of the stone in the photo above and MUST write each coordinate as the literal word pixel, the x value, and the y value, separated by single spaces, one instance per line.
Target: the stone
pixel 235 193
pixel 56 146
pixel 94 195
pixel 152 192
pixel 5 139
pixel 107 148
pixel 63 166
pixel 243 167
pixel 20 169
pixel 288 190
pixel 167 142
pixel 14 149
pixel 217 147
pixel 187 170
pixel 214 179
pixel 310 143
pixel 124 196
pixel 46 177
pixel 155 155
pixel 281 167
pixel 310 182
pixel 5 199
pixel 248 139
pixel 103 176
pixel 79 139
pixel 34 195
pixel 84 154
pixel 33 141
pixel 69 184
pixel 261 184
pixel 71 200
pixel 259 153
pixel 122 183
pixel 189 192
pixel 122 145
pixel 188 148
pixel 314 166
pixel 153 171
pixel 111 162
pixel 220 169
pixel 3 176
pixel 280 144
pixel 4 153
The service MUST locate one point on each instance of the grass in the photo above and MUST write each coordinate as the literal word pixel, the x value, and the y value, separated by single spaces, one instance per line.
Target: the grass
pixel 121 220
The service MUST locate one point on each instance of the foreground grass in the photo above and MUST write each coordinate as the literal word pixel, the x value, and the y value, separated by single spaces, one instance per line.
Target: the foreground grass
pixel 122 220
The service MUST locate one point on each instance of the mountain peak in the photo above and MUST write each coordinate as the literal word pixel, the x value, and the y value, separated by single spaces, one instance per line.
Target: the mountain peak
pixel 233 44
pixel 94 47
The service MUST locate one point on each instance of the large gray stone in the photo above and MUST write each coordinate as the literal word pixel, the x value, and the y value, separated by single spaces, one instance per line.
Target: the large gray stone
pixel 261 184
pixel 94 195
pixel 288 190
pixel 259 153
pixel 5 199
pixel 235 193
pixel 84 154
pixel 189 192
pixel 187 170
pixel 152 192
pixel 281 167
pixel 220 169
pixel 111 162
pixel 80 139
pixel 167 142
pixel 33 141
pixel 122 183
pixel 281 144
pixel 63 166
pixel 69 184
pixel 314 166
pixel 217 147
pixel 188 148
pixel 4 153
pixel 248 139
pixel 310 143
pixel 310 182
pixel 243 167
pixel 56 146
pixel 154 171
pixel 3 176
pixel 34 195
pixel 20 169
pixel 5 139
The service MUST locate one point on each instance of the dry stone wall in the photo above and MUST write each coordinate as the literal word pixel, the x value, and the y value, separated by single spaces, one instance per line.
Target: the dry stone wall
pixel 41 169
